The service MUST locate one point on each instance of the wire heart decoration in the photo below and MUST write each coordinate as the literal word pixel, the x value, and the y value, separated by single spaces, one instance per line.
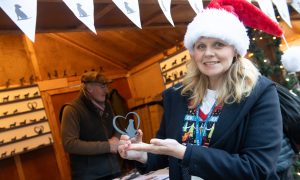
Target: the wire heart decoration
pixel 130 130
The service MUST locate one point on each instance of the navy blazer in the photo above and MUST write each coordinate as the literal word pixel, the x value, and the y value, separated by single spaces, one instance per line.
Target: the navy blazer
pixel 245 143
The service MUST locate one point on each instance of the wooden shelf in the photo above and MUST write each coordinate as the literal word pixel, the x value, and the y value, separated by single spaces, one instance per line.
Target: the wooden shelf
pixel 19 87
pixel 21 113
pixel 173 67
pixel 24 138
pixel 20 100
pixel 178 79
pixel 21 126
pixel 25 151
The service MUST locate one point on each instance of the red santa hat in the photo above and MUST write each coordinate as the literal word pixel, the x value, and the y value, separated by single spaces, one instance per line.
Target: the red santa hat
pixel 226 20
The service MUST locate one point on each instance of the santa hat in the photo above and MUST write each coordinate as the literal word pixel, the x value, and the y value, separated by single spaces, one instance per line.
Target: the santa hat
pixel 226 20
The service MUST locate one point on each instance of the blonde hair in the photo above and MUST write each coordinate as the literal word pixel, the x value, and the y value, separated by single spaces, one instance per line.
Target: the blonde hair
pixel 237 82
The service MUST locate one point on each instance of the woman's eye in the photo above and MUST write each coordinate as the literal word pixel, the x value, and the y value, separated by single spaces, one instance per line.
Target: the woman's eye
pixel 219 44
pixel 200 46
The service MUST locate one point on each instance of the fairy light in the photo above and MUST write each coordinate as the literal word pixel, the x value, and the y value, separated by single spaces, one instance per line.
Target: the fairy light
pixel 253 39
pixel 260 38
pixel 287 79
pixel 274 37
pixel 281 66
pixel 265 60
pixel 250 55
pixel 277 17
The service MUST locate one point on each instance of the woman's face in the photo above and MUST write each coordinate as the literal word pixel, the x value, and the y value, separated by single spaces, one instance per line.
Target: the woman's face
pixel 213 57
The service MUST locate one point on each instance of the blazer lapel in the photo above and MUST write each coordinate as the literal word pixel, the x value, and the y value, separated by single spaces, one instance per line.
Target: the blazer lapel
pixel 226 122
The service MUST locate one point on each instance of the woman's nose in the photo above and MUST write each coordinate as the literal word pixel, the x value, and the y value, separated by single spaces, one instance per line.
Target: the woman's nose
pixel 209 51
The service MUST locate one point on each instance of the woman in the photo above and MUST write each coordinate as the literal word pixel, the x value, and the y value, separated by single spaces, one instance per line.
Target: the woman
pixel 223 121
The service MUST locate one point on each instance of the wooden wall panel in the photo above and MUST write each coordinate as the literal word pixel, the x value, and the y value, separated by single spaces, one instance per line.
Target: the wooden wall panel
pixel 40 164
pixel 147 82
pixel 8 169
pixel 121 84
pixel 14 63
pixel 54 54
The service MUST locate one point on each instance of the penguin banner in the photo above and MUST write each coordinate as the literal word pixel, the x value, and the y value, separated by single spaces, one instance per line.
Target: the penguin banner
pixel 84 11
pixel 23 14
pixel 197 5
pixel 131 9
pixel 165 6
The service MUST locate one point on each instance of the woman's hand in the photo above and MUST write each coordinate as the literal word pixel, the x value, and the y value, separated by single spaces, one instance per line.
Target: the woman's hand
pixel 168 147
pixel 124 148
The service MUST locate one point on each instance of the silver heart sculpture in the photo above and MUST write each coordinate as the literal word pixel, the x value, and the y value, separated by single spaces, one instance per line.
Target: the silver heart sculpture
pixel 130 130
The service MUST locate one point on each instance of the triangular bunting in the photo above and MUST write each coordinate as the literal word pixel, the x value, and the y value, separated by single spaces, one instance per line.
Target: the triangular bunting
pixel 84 11
pixel 296 5
pixel 23 14
pixel 266 6
pixel 197 5
pixel 283 10
pixel 131 9
pixel 165 6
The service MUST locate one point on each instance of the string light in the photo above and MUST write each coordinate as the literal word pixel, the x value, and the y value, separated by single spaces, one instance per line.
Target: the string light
pixel 281 66
pixel 277 17
pixel 250 55
pixel 287 79
pixel 265 60
pixel 253 39
pixel 260 38
pixel 274 37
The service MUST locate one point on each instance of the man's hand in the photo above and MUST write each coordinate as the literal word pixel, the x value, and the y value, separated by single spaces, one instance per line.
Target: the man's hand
pixel 113 143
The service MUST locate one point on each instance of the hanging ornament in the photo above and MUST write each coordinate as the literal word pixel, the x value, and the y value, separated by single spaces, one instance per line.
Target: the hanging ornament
pixel 291 59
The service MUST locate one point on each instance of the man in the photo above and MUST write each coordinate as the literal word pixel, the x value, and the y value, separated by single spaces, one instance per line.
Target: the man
pixel 87 132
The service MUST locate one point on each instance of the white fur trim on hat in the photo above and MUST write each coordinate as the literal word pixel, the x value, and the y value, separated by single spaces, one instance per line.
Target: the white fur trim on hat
pixel 291 59
pixel 217 23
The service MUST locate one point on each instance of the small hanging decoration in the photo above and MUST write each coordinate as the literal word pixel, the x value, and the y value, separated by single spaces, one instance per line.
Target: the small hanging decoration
pixel 291 59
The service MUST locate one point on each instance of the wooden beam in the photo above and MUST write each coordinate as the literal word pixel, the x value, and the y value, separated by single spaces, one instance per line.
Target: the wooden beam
pixel 159 15
pixel 19 167
pixel 82 48
pixel 32 56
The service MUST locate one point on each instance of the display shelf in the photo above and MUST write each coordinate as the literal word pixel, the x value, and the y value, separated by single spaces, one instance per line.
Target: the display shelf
pixel 18 87
pixel 4 155
pixel 21 113
pixel 22 124
pixel 23 138
pixel 20 100
pixel 174 67
pixel 23 121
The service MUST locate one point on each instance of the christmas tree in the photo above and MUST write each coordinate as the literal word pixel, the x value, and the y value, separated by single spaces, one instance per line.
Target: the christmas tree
pixel 265 52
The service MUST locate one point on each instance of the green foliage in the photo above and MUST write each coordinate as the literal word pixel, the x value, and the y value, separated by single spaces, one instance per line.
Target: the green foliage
pixel 273 69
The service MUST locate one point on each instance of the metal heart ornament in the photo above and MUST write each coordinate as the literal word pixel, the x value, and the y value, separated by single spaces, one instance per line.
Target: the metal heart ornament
pixel 130 130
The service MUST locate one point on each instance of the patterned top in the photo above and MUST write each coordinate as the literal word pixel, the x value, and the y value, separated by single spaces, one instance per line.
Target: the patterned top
pixel 199 122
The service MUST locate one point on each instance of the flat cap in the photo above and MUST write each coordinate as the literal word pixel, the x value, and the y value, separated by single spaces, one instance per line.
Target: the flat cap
pixel 94 77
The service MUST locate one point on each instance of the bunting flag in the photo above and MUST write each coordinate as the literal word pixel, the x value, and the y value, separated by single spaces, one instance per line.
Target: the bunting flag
pixel 296 5
pixel 84 11
pixel 23 14
pixel 267 7
pixel 197 5
pixel 131 9
pixel 165 6
pixel 283 10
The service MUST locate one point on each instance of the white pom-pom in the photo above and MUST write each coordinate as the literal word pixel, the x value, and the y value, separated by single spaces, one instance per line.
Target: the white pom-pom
pixel 291 59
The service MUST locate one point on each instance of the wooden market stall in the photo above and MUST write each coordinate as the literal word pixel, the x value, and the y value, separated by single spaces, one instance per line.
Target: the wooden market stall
pixel 141 62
